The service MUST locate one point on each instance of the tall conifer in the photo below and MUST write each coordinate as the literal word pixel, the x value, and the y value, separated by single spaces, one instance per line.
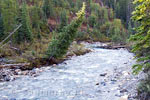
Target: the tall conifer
pixel 24 33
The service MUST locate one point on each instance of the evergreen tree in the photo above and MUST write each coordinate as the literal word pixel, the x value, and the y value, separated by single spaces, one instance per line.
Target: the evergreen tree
pixel 48 9
pixel 92 20
pixel 9 10
pixel 130 29
pixel 63 20
pixel 36 15
pixel 105 15
pixel 142 36
pixel 1 27
pixel 142 45
pixel 24 33
pixel 78 4
pixel 59 45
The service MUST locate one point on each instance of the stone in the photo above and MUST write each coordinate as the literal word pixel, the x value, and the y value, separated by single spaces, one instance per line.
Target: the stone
pixel 124 97
pixel 103 83
pixel 117 95
pixel 18 72
pixel 125 73
pixel 104 74
pixel 13 99
pixel 123 90
pixel 7 78
pixel 113 80
pixel 54 65
pixel 24 72
pixel 125 63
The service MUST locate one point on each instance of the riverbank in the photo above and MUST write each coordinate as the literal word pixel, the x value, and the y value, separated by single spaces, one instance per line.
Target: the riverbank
pixel 10 69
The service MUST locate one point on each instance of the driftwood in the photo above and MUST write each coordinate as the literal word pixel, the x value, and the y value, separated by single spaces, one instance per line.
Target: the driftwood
pixel 17 50
pixel 14 66
pixel 111 47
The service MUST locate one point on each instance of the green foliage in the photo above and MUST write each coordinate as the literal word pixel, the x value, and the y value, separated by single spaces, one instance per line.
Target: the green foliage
pixel 116 37
pixel 42 19
pixel 92 20
pixel 63 20
pixel 144 89
pixel 115 30
pixel 111 14
pixel 105 15
pixel 35 13
pixel 1 27
pixel 82 35
pixel 122 9
pixel 48 9
pixel 61 3
pixel 59 45
pixel 94 6
pixel 78 4
pixel 142 37
pixel 24 34
pixel 37 20
pixel 9 12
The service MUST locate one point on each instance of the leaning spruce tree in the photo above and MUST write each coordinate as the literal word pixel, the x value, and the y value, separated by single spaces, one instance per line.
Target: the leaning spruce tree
pixel 59 45
pixel 24 34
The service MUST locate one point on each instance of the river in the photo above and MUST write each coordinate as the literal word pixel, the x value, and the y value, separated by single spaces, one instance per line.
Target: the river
pixel 97 75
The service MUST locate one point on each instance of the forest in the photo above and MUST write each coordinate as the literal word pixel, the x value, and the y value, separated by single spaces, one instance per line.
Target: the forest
pixel 37 33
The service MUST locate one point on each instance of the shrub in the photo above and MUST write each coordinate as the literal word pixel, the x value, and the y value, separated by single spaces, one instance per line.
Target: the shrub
pixel 144 89
pixel 115 30
pixel 82 35
pixel 92 20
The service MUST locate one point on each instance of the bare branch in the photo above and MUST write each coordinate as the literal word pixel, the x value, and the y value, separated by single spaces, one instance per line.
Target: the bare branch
pixel 10 34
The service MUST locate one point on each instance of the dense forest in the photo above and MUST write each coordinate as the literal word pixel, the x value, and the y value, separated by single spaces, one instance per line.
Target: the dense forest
pixel 42 21
pixel 41 32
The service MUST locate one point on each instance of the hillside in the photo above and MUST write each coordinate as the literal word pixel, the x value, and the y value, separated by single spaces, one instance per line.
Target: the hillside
pixel 46 19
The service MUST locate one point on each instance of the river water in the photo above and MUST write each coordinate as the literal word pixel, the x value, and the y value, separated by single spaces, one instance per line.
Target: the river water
pixel 75 79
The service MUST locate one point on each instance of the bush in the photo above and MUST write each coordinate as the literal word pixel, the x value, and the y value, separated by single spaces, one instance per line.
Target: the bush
pixel 82 35
pixel 116 37
pixel 144 89
pixel 98 36
pixel 92 20
pixel 115 31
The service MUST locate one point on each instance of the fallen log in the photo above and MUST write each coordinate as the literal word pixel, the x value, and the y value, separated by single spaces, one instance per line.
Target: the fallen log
pixel 14 66
pixel 111 47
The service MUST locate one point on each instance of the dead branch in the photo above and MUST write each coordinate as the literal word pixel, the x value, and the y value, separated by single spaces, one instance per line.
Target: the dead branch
pixel 10 34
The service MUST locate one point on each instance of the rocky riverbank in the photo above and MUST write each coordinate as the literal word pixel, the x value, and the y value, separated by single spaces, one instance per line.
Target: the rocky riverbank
pixel 10 70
